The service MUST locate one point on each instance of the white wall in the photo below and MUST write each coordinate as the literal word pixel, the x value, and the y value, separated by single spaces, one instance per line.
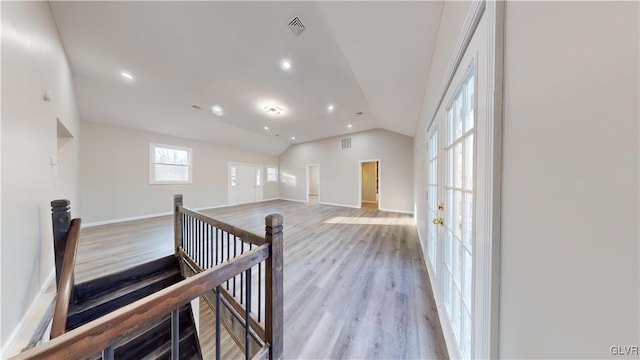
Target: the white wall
pixel 33 60
pixel 451 20
pixel 340 170
pixel 570 238
pixel 570 271
pixel 369 182
pixel 115 174
pixel 314 179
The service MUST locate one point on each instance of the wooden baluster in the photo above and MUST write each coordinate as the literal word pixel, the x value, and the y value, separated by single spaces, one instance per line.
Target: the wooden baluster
pixel 177 226
pixel 241 275
pixel 235 253
pixel 228 252
pixel 273 285
pixel 247 311
pixel 202 239
pixel 61 221
pixel 107 353
pixel 209 247
pixel 175 334
pixel 217 247
pixel 218 342
pixel 259 291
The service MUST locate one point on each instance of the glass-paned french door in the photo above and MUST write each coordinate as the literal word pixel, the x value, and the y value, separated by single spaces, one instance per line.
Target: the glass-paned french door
pixel 458 223
pixel 432 198
pixel 450 207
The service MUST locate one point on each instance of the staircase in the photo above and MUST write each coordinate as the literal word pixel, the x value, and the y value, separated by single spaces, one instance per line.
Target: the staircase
pixel 144 312
pixel 96 298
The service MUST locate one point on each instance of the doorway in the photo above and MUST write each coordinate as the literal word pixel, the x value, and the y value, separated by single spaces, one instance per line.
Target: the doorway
pixel 370 184
pixel 245 183
pixel 313 183
pixel 461 177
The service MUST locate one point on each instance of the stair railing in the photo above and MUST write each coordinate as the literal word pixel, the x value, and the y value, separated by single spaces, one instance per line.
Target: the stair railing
pixel 254 322
pixel 104 332
pixel 66 281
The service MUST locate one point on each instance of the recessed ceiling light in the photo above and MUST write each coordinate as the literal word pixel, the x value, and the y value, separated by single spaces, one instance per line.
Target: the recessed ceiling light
pixel 293 138
pixel 285 65
pixel 349 126
pixel 216 109
pixel 266 128
pixel 126 75
pixel 330 108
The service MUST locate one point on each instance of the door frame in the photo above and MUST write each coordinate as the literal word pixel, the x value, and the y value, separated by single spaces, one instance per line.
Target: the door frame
pixel 379 181
pixel 485 343
pixel 308 178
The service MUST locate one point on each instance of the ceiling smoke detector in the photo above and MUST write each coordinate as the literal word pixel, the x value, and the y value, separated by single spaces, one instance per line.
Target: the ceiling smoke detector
pixel 296 26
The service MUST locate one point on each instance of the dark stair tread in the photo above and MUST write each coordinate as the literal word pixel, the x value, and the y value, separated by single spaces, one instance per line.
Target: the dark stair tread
pixel 154 335
pixel 187 347
pixel 100 286
pixel 154 342
pixel 101 296
pixel 79 318
pixel 130 288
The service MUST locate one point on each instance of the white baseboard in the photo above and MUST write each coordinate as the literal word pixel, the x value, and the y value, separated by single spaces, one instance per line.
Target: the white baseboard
pixel 397 211
pixel 142 217
pixel 113 221
pixel 294 200
pixel 341 205
pixel 20 336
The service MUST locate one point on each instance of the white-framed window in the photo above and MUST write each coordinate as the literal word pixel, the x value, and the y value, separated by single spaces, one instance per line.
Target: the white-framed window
pixel 169 164
pixel 272 173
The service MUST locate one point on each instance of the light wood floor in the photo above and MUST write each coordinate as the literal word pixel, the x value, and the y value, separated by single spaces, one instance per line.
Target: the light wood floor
pixel 355 283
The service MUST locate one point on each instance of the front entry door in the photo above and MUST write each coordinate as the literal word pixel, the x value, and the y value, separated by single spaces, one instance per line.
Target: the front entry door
pixel 245 183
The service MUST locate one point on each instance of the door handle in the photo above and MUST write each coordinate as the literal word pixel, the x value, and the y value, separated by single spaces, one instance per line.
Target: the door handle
pixel 438 221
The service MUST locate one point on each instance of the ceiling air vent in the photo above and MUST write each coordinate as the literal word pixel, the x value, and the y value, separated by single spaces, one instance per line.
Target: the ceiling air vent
pixel 345 143
pixel 296 26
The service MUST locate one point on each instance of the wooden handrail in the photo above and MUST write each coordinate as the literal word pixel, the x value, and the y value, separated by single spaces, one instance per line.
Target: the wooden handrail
pixel 86 340
pixel 65 287
pixel 245 235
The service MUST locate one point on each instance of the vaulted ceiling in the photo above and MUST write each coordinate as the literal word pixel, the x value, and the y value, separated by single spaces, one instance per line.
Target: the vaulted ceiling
pixel 361 57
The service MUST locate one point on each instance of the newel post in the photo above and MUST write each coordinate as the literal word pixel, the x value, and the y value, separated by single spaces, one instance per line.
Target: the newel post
pixel 61 221
pixel 273 284
pixel 177 221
